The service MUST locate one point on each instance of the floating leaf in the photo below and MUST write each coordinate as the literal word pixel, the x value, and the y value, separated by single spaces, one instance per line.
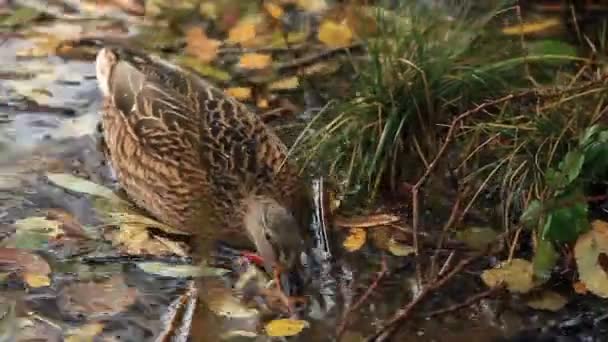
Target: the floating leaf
pixel 478 238
pixel 516 275
pixel 355 239
pixel 399 248
pixel 242 33
pixel 532 27
pixel 285 84
pixel 255 61
pixel 81 185
pixel 181 271
pixel 548 300
pixel 96 299
pixel 201 47
pixel 334 34
pixel 285 327
pixel 589 249
pixel 239 93
pixel 365 221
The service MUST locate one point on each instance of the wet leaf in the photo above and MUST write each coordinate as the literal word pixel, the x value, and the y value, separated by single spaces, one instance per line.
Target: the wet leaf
pixel 580 288
pixel 242 33
pixel 40 224
pixel 32 268
pixel 255 61
pixel 181 271
pixel 572 165
pixel 400 248
pixel 285 84
pixel 548 300
pixel 516 275
pixel 137 221
pixel 222 302
pixel 110 297
pixel 69 224
pixel 84 333
pixel 589 248
pixel 532 27
pixel 334 34
pixel 81 185
pixel 374 220
pixel 355 239
pixel 33 233
pixel 312 5
pixel 285 327
pixel 273 9
pixel 200 46
pixel 203 69
pixel 239 93
pixel 478 238
pixel 136 240
pixel 36 280
pixel 544 259
pixel 20 16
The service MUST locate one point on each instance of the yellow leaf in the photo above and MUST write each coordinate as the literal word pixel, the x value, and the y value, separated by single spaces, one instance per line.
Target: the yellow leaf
pixel 285 327
pixel 399 249
pixel 255 61
pixel 239 93
pixel 355 239
pixel 36 280
pixel 533 27
pixel 201 47
pixel 334 34
pixel 588 250
pixel 516 275
pixel 262 103
pixel 273 9
pixel 83 333
pixel 312 5
pixel 548 300
pixel 208 9
pixel 285 84
pixel 241 33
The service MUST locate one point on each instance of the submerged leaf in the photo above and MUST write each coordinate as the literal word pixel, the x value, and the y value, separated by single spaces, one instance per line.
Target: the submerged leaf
pixel 181 271
pixel 285 327
pixel 81 185
pixel 516 275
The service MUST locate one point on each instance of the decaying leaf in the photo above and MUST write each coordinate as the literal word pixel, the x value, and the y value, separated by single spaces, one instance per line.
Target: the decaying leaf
pixel 516 275
pixel 181 271
pixel 365 221
pixel 200 46
pixel 335 34
pixel 548 300
pixel 32 268
pixel 399 248
pixel 285 327
pixel 355 239
pixel 239 93
pixel 255 61
pixel 589 248
pixel 242 33
pixel 72 183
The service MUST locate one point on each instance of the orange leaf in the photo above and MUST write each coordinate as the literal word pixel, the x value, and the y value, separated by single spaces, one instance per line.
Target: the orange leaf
pixel 200 46
pixel 334 34
pixel 255 61
pixel 273 9
pixel 239 93
pixel 241 33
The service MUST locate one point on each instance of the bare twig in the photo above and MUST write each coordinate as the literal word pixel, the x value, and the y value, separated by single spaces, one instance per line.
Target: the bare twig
pixel 468 302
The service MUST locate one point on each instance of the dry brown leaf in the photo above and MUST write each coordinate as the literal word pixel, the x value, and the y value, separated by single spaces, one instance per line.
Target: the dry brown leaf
pixel 516 275
pixel 242 33
pixel 334 34
pixel 273 9
pixel 239 93
pixel 255 61
pixel 589 248
pixel 200 46
pixel 368 221
pixel 285 327
pixel 355 240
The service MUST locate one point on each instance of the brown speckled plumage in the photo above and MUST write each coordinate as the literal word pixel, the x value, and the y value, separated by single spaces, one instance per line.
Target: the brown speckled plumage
pixel 190 155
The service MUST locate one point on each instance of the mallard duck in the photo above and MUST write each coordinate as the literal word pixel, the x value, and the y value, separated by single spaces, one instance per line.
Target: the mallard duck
pixel 197 159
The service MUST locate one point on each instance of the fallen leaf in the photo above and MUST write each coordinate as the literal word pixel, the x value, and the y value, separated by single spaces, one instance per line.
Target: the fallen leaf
pixel 335 35
pixel 203 69
pixel 31 267
pixel 239 93
pixel 285 327
pixel 200 46
pixel 242 33
pixel 222 302
pixel 84 333
pixel 355 239
pixel 312 5
pixel 516 275
pixel 589 248
pixel 365 221
pixel 36 280
pixel 140 222
pixel 255 61
pixel 20 16
pixel 400 249
pixel 580 288
pixel 81 185
pixel 50 228
pixel 287 83
pixel 532 27
pixel 273 9
pixel 69 224
pixel 181 271
pixel 477 238
pixel 262 103
pixel 548 300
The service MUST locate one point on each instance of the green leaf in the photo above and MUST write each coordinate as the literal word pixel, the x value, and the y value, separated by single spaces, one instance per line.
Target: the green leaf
pixel 555 179
pixel 572 165
pixel 589 133
pixel 552 48
pixel 566 224
pixel 544 260
pixel 532 214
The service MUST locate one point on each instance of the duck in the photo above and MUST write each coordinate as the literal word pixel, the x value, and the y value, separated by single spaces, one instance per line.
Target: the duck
pixel 198 160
